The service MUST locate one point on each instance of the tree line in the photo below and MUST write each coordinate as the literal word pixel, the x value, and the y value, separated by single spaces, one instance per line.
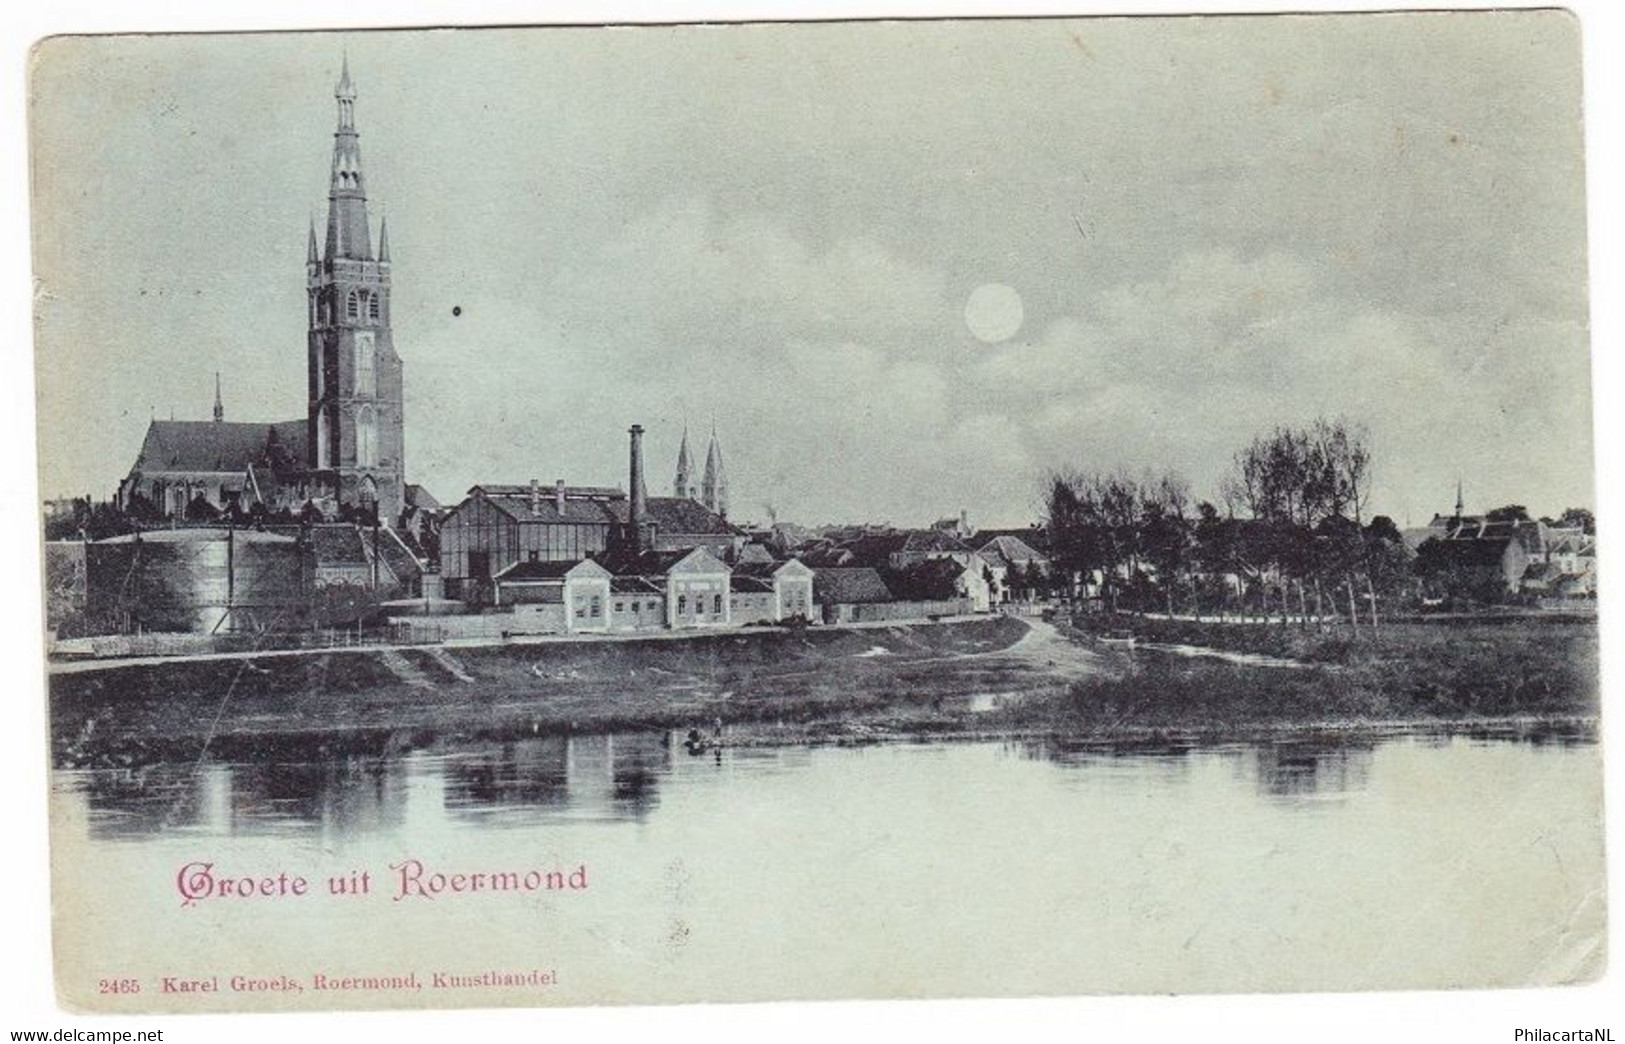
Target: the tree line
pixel 1288 536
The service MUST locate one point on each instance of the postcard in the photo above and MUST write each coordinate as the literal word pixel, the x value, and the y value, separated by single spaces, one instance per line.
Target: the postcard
pixel 956 508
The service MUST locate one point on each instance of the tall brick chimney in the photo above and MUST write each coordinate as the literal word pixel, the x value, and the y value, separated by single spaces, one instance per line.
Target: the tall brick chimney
pixel 558 497
pixel 535 497
pixel 638 515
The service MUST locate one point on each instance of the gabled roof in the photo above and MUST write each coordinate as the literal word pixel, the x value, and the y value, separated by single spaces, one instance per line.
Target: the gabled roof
pixel 339 544
pixel 635 585
pixel 1006 551
pixel 420 498
pixel 217 445
pixel 662 563
pixel 828 556
pixel 754 554
pixel 583 505
pixel 1488 551
pixel 769 570
pixel 850 586
pixel 680 515
pixel 521 572
pixel 1035 537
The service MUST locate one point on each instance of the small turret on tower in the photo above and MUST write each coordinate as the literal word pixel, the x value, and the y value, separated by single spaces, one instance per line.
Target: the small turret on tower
pixel 683 486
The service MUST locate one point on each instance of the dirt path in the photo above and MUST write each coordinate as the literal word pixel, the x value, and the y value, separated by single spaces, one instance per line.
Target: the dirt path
pixel 1045 648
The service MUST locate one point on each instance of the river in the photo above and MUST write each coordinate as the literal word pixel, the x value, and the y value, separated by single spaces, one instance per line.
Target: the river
pixel 983 868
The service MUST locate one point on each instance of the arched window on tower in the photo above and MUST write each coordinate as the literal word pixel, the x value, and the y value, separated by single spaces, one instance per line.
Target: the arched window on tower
pixel 366 438
pixel 366 368
pixel 372 307
pixel 324 441
pixel 352 305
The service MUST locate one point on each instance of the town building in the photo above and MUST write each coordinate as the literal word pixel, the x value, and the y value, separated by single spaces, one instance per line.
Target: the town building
pixel 498 525
pixel 349 448
pixel 557 596
pixel 1012 566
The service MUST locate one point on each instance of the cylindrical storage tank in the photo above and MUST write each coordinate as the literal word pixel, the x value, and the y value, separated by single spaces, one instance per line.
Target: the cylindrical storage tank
pixel 194 580
pixel 271 578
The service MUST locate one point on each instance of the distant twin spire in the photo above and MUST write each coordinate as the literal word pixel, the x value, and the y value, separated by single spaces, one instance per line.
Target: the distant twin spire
pixel 713 488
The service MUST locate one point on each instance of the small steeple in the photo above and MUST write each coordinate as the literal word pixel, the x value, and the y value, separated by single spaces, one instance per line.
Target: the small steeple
pixel 219 407
pixel 312 254
pixel 714 487
pixel 383 240
pixel 1461 507
pixel 683 487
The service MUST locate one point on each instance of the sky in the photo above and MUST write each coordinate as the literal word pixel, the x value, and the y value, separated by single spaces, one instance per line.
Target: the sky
pixel 905 269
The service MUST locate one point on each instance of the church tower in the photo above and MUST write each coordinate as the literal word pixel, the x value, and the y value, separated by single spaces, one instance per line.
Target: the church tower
pixel 356 435
pixel 683 487
pixel 714 487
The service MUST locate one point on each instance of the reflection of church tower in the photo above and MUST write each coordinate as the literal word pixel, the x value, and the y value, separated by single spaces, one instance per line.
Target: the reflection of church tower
pixel 355 435
pixel 683 487
pixel 714 487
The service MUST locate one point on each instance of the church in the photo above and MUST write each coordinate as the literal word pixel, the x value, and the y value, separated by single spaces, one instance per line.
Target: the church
pixel 349 449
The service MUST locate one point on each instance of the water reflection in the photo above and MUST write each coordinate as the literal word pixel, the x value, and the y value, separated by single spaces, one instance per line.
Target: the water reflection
pixel 611 776
pixel 480 783
pixel 1313 769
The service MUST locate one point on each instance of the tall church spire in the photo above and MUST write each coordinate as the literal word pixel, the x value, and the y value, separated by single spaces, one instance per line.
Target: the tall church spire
pixel 714 487
pixel 355 438
pixel 347 235
pixel 219 407
pixel 683 488
pixel 1460 507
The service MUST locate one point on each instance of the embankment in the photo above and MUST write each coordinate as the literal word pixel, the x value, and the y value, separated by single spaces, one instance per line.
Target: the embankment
pixel 1462 673
pixel 367 699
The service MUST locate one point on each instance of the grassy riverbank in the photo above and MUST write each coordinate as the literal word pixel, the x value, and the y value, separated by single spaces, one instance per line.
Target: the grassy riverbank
pixel 368 699
pixel 1461 671
pixel 981 678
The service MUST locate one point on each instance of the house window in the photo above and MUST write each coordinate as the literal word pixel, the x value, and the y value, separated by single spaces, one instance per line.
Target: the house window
pixel 620 607
pixel 597 607
pixel 716 604
pixel 352 305
pixel 682 604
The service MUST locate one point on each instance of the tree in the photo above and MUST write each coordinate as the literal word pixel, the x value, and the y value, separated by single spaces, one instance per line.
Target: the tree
pixel 1578 516
pixel 1509 513
pixel 200 510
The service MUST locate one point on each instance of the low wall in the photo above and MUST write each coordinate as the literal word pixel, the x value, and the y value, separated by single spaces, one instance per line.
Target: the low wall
pixel 874 612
